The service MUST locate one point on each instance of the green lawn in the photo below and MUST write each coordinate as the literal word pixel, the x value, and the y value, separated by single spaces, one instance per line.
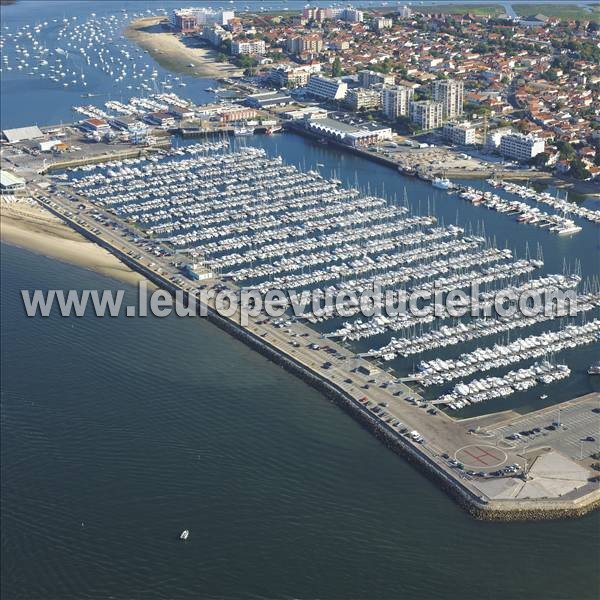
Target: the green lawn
pixel 563 11
pixel 484 10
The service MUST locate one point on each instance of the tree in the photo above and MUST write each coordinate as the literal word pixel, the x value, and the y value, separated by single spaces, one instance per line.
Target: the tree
pixel 550 75
pixel 387 64
pixel 540 160
pixel 247 63
pixel 578 169
pixel 336 67
pixel 567 152
pixel 221 57
pixel 405 125
pixel 482 110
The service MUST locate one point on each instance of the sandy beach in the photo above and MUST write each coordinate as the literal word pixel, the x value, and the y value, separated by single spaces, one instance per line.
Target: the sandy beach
pixel 31 227
pixel 171 53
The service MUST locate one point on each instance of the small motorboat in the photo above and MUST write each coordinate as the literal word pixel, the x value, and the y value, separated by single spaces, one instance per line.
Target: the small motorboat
pixel 184 534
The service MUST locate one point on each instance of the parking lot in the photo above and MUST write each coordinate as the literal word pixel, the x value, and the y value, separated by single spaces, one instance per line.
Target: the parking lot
pixel 573 430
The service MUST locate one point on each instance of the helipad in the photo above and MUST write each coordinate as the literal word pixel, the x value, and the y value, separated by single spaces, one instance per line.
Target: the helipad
pixel 481 456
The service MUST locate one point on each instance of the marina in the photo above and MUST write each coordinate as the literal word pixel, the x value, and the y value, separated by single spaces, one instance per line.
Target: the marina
pixel 562 205
pixel 524 213
pixel 267 225
pixel 496 387
pixel 440 371
pixel 229 213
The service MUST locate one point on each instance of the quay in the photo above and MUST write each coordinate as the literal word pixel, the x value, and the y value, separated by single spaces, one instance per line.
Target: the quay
pixel 190 132
pixel 389 159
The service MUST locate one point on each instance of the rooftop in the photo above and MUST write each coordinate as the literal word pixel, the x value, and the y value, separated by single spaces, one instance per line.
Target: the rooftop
pixel 7 179
pixel 22 133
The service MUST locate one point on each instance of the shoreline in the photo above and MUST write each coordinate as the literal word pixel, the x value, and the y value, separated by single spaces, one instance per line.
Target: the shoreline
pixel 33 228
pixel 172 54
pixel 587 189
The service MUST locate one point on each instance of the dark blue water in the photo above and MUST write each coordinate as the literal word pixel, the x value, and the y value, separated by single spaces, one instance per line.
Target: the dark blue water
pixel 119 433
pixel 32 99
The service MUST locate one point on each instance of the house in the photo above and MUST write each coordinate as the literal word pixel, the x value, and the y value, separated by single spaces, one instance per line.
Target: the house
pixel 96 125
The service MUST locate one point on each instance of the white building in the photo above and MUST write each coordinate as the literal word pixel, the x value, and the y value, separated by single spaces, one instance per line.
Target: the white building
pixel 494 137
pixel 349 14
pixel 367 78
pixel 358 98
pixel 352 135
pixel 451 94
pixel 293 76
pixel 326 88
pixel 10 183
pixel 462 134
pixel 188 18
pixel 250 47
pixel 215 34
pixel 21 134
pixel 426 114
pixel 47 145
pixel 404 12
pixel 521 147
pixel 307 113
pixel 381 23
pixel 395 101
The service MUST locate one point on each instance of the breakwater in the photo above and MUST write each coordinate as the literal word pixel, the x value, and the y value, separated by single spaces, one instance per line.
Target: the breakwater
pixel 477 505
pixel 101 158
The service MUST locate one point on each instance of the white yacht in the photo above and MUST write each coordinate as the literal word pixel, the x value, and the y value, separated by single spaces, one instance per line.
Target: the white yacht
pixel 442 183
pixel 243 131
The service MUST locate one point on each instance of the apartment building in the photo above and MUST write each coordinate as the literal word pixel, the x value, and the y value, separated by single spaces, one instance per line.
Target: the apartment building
pixel 461 134
pixel 248 47
pixel 427 114
pixel 521 147
pixel 187 20
pixel 359 98
pixel 367 78
pixel 381 23
pixel 301 44
pixel 451 94
pixel 349 14
pixel 293 77
pixel 326 88
pixel 215 34
pixel 395 101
